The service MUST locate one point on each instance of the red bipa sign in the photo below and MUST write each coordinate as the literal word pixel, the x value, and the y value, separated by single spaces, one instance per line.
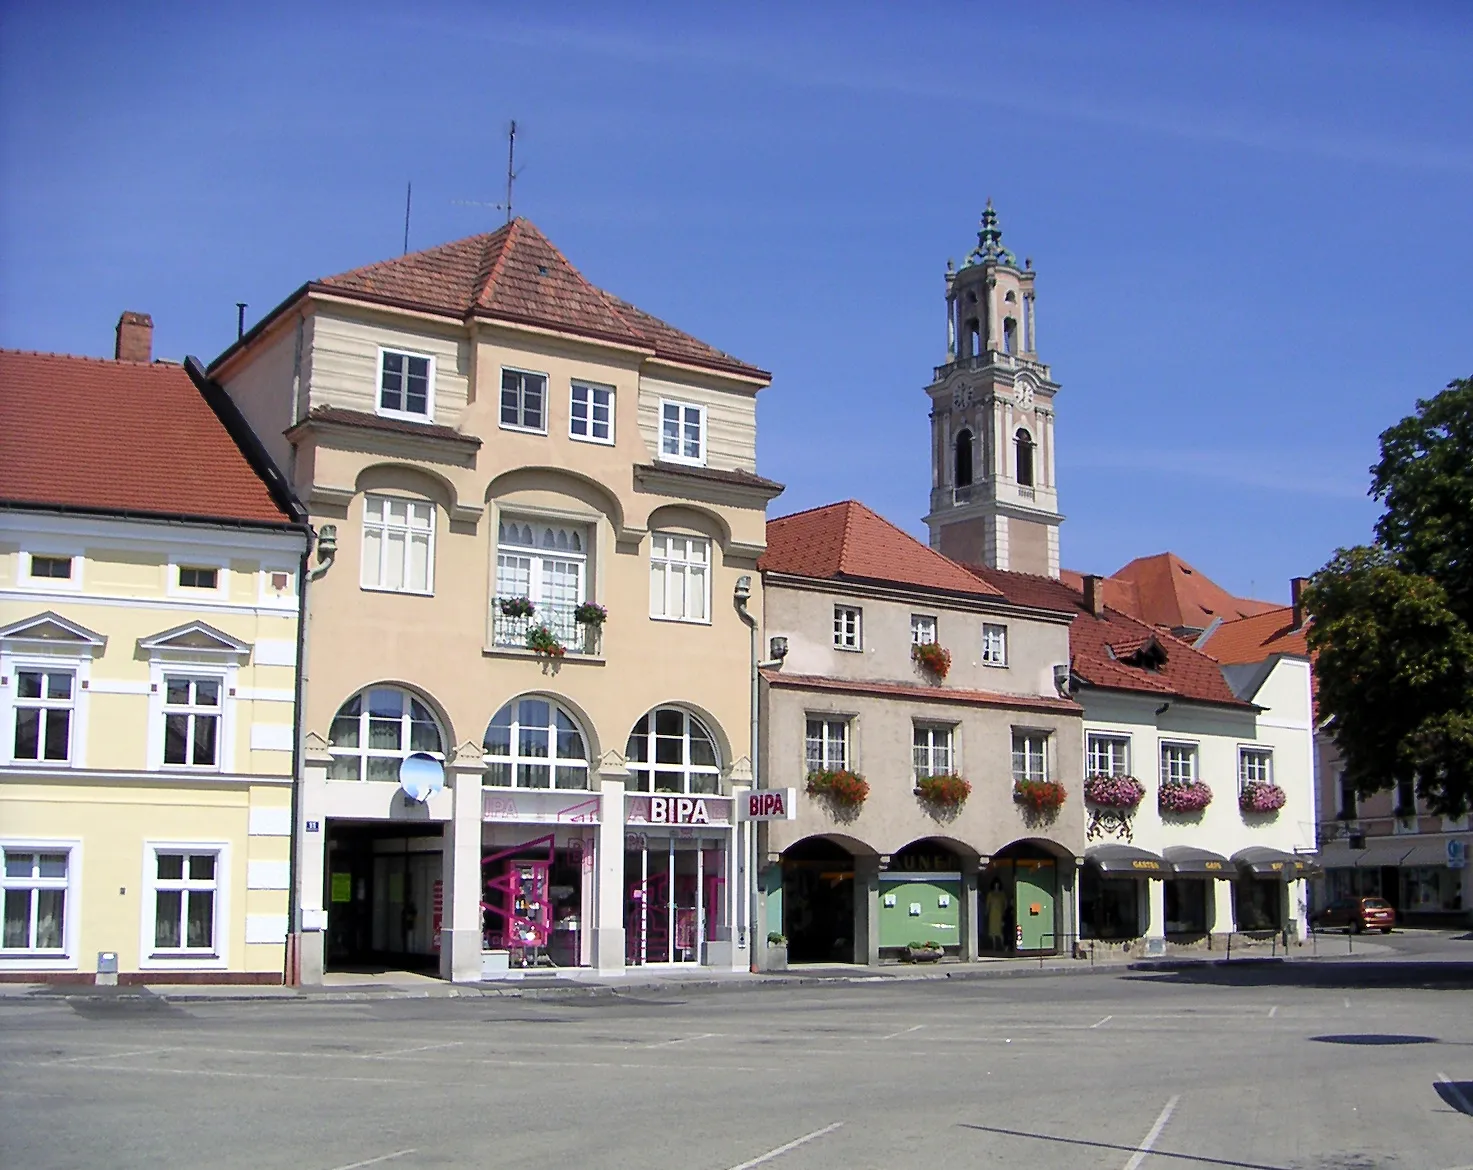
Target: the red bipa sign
pixel 768 804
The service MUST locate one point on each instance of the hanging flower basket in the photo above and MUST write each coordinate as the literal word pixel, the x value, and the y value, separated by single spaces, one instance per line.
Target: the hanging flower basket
pixel 545 642
pixel 1042 796
pixel 590 613
pixel 1259 797
pixel 516 607
pixel 845 789
pixel 946 792
pixel 1180 796
pixel 933 657
pixel 1114 791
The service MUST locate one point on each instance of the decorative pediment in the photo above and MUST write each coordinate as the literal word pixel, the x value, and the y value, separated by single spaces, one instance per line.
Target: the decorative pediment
pixel 51 630
pixel 195 640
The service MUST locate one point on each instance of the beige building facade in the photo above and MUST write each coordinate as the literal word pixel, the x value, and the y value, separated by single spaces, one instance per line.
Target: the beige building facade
pixel 534 504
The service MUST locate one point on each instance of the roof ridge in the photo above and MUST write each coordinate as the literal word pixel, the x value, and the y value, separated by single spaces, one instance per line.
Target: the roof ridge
pixel 810 511
pixel 152 363
pixel 485 283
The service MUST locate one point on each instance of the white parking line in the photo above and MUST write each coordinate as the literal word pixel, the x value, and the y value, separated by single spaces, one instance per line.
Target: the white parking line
pixel 783 1149
pixel 1455 1092
pixel 682 1040
pixel 903 1032
pixel 373 1161
pixel 1273 1011
pixel 1106 1020
pixel 407 1051
pixel 1143 1151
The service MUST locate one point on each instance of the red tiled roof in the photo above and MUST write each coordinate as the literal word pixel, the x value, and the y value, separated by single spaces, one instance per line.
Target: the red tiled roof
pixel 1097 645
pixel 815 682
pixel 1171 594
pixel 848 541
pixel 516 274
pixel 1121 596
pixel 127 436
pixel 1252 639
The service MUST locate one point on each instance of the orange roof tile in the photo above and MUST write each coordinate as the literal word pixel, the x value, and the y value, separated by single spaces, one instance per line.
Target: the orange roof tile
pixel 104 435
pixel 1171 594
pixel 1252 639
pixel 848 541
pixel 516 274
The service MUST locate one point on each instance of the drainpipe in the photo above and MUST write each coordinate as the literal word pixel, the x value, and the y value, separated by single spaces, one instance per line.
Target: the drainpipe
pixel 294 869
pixel 740 597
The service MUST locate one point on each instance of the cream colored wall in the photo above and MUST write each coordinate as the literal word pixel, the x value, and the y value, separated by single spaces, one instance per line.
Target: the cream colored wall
pixel 731 419
pixel 262 389
pixel 344 358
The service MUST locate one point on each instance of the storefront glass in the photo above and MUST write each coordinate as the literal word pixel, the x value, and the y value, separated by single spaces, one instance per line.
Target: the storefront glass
pixel 675 896
pixel 1110 907
pixel 533 901
pixel 1258 903
pixel 1186 905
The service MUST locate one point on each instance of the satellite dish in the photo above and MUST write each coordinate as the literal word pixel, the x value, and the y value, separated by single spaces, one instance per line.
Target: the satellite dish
pixel 421 775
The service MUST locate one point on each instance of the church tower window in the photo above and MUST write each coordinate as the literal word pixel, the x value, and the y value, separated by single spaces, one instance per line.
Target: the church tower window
pixel 963 459
pixel 1024 444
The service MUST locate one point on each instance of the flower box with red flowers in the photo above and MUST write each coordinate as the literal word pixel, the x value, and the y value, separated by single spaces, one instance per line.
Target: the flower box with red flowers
pixel 933 657
pixel 1183 796
pixel 1114 791
pixel 843 788
pixel 1259 797
pixel 1040 795
pixel 946 791
pixel 542 640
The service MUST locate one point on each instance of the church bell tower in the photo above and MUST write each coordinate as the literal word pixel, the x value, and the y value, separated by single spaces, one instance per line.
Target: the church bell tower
pixel 993 496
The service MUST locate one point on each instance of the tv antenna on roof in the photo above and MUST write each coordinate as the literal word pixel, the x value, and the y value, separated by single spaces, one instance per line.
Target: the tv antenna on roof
pixel 512 174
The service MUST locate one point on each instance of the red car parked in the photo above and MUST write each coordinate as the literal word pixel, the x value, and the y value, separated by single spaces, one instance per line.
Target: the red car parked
pixel 1358 914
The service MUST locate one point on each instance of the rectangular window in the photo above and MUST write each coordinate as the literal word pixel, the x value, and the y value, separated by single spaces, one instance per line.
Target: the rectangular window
pixel 51 568
pixel 1349 801
pixel 931 751
pixel 184 890
pixel 994 645
pixel 548 565
pixel 848 634
pixel 1406 799
pixel 591 415
pixel 826 747
pixel 1030 755
pixel 1255 766
pixel 44 701
pixel 404 384
pixel 35 884
pixel 1109 755
pixel 197 578
pixel 192 709
pixel 398 544
pixel 680 580
pixel 922 629
pixel 1179 763
pixel 682 432
pixel 523 399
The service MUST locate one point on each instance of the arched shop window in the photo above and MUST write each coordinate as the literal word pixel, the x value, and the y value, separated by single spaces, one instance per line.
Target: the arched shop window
pixel 670 750
pixel 534 743
pixel 375 729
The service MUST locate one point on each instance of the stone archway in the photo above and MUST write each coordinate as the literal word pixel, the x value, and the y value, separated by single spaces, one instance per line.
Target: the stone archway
pixel 1025 899
pixel 818 893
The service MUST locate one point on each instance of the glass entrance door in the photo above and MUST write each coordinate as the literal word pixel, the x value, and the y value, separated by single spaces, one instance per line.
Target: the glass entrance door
pixel 673 897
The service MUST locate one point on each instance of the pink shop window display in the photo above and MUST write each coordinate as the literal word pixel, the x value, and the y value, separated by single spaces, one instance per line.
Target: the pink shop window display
pixel 532 904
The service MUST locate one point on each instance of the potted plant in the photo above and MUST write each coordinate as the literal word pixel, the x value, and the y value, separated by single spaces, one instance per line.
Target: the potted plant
pixel 946 792
pixel 1042 796
pixel 842 789
pixel 1114 791
pixel 933 658
pixel 1259 796
pixel 516 607
pixel 777 951
pixel 929 951
pixel 545 642
pixel 1183 796
pixel 590 613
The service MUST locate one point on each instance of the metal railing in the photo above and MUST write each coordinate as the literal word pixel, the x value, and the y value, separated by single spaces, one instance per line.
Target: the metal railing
pixel 576 638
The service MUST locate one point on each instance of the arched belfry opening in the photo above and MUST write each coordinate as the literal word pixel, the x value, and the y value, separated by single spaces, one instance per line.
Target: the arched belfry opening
pixel 1009 335
pixel 963 460
pixel 1024 444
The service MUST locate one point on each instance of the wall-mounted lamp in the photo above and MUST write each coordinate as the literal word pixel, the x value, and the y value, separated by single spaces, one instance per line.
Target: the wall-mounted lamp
pixel 1061 678
pixel 327 542
pixel 742 592
pixel 777 648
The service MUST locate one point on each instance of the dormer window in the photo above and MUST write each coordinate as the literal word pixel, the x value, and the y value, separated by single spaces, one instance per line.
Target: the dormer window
pixel 406 385
pixel 1023 441
pixel 682 432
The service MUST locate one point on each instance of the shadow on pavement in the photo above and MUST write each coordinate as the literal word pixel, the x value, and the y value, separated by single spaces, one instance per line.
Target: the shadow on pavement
pixel 1457 1094
pixel 1310 973
pixel 1373 1038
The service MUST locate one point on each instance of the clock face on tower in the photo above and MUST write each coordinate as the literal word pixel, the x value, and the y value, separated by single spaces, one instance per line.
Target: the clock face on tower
pixel 1024 393
pixel 961 398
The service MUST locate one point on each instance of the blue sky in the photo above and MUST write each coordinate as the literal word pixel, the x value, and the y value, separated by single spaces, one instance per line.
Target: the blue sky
pixel 1251 223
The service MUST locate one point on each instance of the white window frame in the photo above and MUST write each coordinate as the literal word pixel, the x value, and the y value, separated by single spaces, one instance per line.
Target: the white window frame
pixel 667 566
pixel 591 388
pixel 1245 754
pixel 362 752
pixel 218 957
pixel 537 556
pixel 384 527
pixel 1169 769
pixel 183 560
pixel 517 762
pixel 378 387
pixel 81 667
pixel 824 760
pixel 46 704
pixel 937 755
pixel 646 769
pixel 922 629
pixel 522 400
pixel 192 711
pixel 849 628
pixel 678 456
pixel 1091 758
pixel 993 634
pixel 26 579
pixel 1029 737
pixel 67 958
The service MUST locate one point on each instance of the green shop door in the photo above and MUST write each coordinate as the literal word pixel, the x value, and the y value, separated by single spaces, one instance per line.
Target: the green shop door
pixel 1035 893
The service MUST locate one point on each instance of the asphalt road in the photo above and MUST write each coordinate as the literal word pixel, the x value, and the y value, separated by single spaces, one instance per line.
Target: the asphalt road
pixel 1206 1068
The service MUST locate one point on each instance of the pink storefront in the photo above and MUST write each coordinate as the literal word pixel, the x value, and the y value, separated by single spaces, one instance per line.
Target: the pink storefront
pixel 679 879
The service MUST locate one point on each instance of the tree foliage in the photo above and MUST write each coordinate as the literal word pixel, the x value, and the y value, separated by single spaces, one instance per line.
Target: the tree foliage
pixel 1393 622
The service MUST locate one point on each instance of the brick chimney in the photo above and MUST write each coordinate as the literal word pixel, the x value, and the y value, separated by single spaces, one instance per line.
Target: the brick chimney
pixel 1296 599
pixel 135 338
pixel 1094 595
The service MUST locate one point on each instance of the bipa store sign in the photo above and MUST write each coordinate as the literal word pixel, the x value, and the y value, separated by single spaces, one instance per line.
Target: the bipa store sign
pixel 679 810
pixel 768 804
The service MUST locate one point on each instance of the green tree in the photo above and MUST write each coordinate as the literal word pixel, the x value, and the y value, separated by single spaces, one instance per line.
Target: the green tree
pixel 1393 622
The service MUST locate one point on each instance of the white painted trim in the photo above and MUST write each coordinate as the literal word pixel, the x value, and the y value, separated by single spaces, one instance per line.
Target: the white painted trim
pixel 256 694
pixel 40 546
pixel 660 453
pixel 268 875
pixel 269 821
pixel 613 413
pixel 118 686
pixel 71 959
pixel 220 957
pixel 49 529
pixel 378 387
pixel 81 666
pixel 221 565
pixel 21 773
pixel 265 928
pixel 271 737
pixel 225 745
pixel 173 606
pixel 546 401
